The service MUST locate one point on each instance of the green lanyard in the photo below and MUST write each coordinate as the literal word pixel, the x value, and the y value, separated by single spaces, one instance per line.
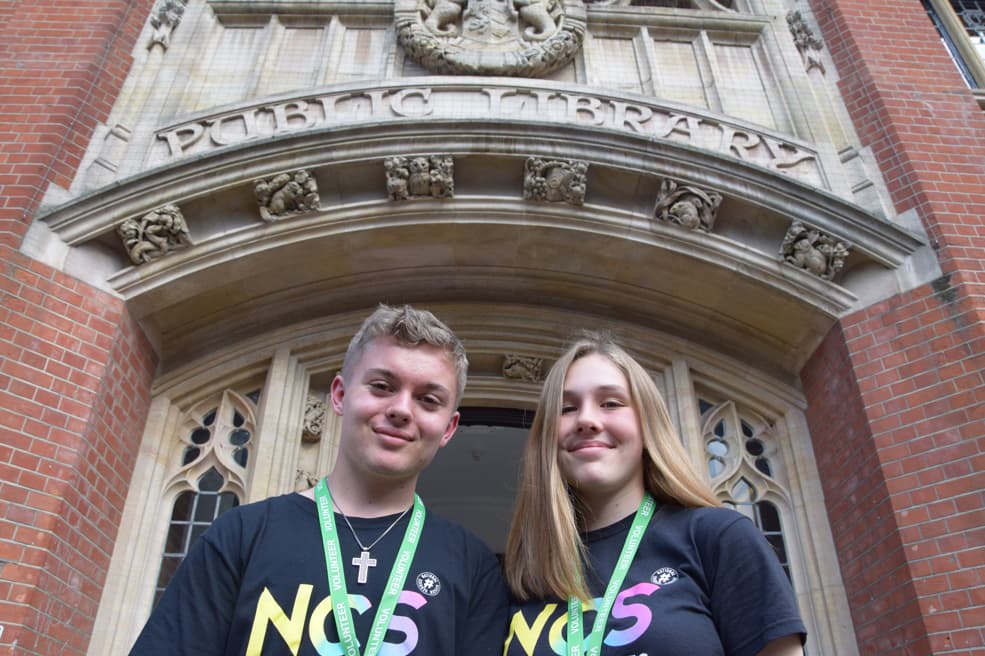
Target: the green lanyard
pixel 336 577
pixel 576 630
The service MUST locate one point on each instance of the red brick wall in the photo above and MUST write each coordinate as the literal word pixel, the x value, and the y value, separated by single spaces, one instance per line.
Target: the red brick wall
pixel 897 391
pixel 75 369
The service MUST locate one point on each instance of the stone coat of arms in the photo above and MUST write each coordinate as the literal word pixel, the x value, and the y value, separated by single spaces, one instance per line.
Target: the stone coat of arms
pixel 523 38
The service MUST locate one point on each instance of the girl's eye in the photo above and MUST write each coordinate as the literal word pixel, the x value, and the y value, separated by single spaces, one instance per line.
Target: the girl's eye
pixel 613 404
pixel 565 409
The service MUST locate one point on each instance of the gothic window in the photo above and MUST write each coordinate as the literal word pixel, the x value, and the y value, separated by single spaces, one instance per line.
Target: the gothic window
pixel 213 461
pixel 961 25
pixel 743 464
pixel 193 513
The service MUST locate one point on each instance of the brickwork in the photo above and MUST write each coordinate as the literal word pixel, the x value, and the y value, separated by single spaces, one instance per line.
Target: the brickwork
pixel 74 391
pixel 60 72
pixel 897 391
pixel 75 369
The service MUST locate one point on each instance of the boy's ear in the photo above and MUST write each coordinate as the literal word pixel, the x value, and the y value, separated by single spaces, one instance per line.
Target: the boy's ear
pixel 337 393
pixel 450 430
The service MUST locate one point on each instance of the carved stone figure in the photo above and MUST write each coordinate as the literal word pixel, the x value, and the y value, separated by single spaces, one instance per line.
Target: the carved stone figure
pixel 537 15
pixel 555 180
pixel 286 194
pixel 315 412
pixel 519 367
pixel 443 15
pixel 420 176
pixel 164 19
pixel 807 43
pixel 526 38
pixel 303 480
pixel 809 249
pixel 155 234
pixel 687 206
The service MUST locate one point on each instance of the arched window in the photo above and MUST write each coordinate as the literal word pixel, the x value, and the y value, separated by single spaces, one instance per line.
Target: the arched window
pixel 740 458
pixel 209 481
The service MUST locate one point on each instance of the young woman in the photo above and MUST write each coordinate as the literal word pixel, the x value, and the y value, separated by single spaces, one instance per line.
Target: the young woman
pixel 618 546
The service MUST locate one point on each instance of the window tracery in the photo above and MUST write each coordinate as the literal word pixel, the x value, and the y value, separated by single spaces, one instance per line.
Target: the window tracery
pixel 211 478
pixel 742 460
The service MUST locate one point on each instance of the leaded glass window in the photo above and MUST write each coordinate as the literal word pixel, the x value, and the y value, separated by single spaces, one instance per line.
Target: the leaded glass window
pixel 193 513
pixel 213 460
pixel 742 461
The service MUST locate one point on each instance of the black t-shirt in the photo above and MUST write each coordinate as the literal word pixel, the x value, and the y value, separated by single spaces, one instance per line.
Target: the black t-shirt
pixel 256 584
pixel 705 582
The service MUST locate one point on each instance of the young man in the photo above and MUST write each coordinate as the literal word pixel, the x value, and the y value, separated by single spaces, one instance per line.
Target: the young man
pixel 355 565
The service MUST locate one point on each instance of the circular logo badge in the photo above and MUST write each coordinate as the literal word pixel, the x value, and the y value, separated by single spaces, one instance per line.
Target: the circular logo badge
pixel 664 576
pixel 428 583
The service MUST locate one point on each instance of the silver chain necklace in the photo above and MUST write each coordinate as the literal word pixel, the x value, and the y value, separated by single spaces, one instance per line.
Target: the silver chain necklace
pixel 364 562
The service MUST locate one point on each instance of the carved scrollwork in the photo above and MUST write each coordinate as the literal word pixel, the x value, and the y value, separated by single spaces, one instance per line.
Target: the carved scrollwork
pixel 155 234
pixel 164 19
pixel 286 194
pixel 555 180
pixel 687 206
pixel 811 250
pixel 520 367
pixel 522 38
pixel 315 411
pixel 807 43
pixel 421 176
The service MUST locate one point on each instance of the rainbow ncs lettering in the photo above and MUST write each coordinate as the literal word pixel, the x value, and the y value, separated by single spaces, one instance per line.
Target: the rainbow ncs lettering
pixel 289 628
pixel 527 635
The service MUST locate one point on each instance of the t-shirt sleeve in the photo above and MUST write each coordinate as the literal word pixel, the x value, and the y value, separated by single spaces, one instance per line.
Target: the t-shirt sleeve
pixel 752 600
pixel 488 610
pixel 195 611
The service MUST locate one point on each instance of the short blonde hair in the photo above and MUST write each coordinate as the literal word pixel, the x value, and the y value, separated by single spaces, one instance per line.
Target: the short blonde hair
pixel 544 551
pixel 410 327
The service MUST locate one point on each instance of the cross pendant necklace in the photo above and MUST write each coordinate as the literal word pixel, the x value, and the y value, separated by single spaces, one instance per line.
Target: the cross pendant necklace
pixel 364 562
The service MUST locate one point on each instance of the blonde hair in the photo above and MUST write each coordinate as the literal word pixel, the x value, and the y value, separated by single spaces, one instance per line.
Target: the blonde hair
pixel 544 551
pixel 410 327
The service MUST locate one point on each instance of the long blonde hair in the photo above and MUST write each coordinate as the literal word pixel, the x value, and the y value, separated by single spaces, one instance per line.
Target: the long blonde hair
pixel 544 551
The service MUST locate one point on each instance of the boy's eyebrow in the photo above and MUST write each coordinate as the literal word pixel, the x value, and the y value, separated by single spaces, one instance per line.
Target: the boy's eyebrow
pixel 386 373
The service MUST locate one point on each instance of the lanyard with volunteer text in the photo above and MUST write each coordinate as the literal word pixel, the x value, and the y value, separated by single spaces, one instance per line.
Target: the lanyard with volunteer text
pixel 336 577
pixel 576 629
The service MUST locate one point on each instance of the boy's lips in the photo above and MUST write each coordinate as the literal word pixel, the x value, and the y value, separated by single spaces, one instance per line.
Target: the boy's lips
pixel 393 433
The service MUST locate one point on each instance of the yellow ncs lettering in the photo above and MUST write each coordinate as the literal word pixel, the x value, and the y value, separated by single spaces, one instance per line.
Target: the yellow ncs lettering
pixel 525 634
pixel 269 612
